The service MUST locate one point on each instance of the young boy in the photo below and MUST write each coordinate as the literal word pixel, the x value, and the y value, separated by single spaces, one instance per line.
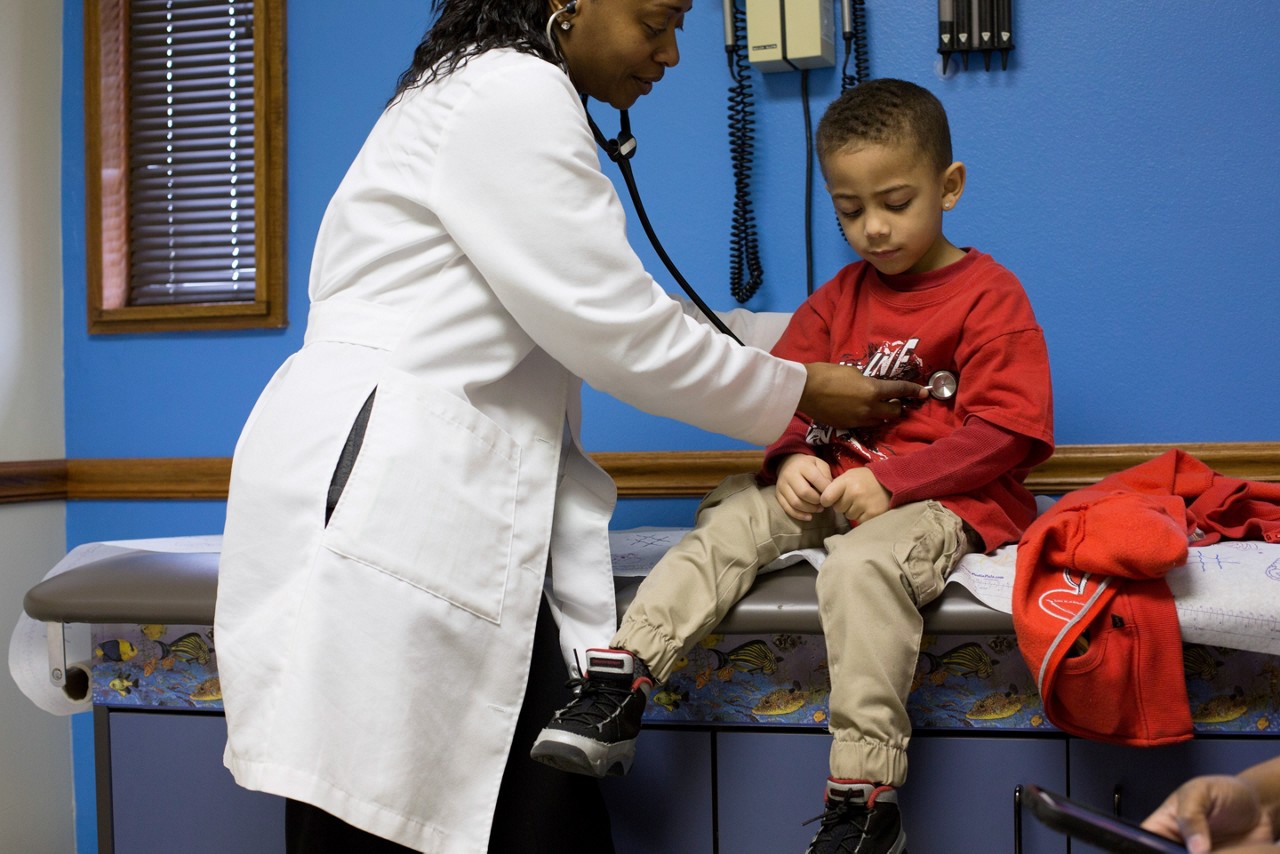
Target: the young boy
pixel 896 505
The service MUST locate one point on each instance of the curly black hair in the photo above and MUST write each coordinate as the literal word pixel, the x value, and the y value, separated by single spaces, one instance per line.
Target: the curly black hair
pixel 467 28
pixel 887 111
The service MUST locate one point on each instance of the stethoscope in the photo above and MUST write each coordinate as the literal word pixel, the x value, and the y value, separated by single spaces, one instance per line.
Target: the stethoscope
pixel 942 385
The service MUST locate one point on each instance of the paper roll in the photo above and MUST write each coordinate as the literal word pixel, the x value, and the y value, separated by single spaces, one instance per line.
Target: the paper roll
pixel 29 665
pixel 29 661
pixel 29 648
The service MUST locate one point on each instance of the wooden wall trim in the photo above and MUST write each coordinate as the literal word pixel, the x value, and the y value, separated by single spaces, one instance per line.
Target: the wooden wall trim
pixel 1071 467
pixel 33 480
pixel 644 474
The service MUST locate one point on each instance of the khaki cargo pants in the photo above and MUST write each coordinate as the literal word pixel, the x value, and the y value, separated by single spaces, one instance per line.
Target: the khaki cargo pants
pixel 875 579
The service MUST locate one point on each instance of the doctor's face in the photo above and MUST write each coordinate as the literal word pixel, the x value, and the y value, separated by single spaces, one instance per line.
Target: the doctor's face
pixel 616 50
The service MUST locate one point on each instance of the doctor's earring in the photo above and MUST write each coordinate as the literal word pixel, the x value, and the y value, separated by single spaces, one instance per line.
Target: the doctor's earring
pixel 566 10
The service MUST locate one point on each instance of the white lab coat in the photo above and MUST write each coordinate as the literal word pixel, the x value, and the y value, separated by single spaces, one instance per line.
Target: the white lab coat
pixel 473 267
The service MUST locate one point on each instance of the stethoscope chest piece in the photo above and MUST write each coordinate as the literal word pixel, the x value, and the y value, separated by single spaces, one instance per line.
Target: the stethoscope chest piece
pixel 942 385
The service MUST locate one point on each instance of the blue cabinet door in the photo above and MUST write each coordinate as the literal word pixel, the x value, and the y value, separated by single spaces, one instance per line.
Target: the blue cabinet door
pixel 960 797
pixel 1133 781
pixel 664 803
pixel 170 791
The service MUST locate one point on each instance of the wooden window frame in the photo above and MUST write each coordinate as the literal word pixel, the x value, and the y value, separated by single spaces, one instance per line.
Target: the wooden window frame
pixel 106 176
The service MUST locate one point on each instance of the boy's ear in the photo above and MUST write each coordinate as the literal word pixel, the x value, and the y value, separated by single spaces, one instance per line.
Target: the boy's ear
pixel 952 185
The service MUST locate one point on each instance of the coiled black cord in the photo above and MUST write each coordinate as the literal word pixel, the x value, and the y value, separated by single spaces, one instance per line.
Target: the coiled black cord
pixel 855 45
pixel 745 271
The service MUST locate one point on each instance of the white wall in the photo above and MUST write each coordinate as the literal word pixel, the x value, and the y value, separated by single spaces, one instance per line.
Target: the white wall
pixel 35 747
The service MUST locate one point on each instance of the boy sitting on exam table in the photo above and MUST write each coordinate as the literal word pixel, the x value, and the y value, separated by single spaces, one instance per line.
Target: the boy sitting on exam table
pixel 896 505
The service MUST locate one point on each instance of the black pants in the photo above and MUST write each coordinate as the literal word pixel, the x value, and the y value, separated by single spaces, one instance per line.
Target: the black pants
pixel 540 810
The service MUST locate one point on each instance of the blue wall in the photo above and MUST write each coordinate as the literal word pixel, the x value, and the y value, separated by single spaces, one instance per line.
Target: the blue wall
pixel 1123 167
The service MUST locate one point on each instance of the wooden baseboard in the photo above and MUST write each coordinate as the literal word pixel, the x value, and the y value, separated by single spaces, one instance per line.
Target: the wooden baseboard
pixel 648 474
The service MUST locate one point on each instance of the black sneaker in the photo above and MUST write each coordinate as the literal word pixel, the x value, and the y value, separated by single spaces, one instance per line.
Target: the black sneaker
pixel 596 733
pixel 860 818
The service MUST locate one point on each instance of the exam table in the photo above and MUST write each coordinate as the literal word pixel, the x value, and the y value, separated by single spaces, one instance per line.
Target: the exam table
pixel 728 763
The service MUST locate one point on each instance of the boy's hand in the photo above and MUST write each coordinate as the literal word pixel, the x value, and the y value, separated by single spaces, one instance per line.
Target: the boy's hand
pixel 801 479
pixel 857 494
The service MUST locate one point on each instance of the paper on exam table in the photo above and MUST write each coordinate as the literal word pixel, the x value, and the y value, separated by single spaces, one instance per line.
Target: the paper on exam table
pixel 1227 594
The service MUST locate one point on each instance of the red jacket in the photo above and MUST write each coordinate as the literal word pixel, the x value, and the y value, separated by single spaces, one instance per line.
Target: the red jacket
pixel 1095 620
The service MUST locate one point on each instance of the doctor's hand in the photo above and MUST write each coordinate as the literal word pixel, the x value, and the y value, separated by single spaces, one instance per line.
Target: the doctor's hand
pixel 841 396
pixel 801 479
pixel 857 495
pixel 1215 813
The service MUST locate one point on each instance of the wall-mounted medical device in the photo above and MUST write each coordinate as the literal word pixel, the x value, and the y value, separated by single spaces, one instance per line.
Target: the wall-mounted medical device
pixel 975 26
pixel 788 35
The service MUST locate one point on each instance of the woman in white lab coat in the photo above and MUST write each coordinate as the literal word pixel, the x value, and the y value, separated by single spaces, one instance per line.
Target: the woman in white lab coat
pixel 412 476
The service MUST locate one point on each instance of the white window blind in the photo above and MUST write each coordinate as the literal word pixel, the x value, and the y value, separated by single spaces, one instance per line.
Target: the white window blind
pixel 191 152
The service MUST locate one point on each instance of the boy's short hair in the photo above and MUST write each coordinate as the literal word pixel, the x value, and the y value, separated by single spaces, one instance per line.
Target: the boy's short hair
pixel 886 112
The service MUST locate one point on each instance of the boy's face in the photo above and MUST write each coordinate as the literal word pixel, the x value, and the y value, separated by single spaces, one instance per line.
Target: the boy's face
pixel 889 200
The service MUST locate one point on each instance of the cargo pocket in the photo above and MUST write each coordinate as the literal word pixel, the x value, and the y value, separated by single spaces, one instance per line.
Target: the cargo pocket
pixel 431 497
pixel 929 551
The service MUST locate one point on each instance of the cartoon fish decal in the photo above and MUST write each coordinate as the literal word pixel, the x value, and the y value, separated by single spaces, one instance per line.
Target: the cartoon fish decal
pixel 788 642
pixel 189 647
pixel 153 631
pixel 670 698
pixel 208 690
pixel 122 684
pixel 994 707
pixel 968 659
pixel 1198 662
pixel 1220 709
pixel 754 656
pixel 115 650
pixel 781 701
pixel 1000 644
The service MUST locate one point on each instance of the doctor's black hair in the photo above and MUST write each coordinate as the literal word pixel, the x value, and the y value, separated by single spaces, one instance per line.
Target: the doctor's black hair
pixel 467 28
pixel 886 112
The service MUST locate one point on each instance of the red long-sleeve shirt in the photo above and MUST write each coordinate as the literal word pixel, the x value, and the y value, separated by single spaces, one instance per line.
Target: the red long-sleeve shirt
pixel 972 452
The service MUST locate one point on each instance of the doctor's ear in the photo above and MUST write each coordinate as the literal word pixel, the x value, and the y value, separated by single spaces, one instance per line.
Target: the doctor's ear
pixel 952 185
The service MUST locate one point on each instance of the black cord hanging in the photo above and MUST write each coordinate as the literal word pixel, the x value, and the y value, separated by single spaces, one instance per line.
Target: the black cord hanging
pixel 620 150
pixel 746 274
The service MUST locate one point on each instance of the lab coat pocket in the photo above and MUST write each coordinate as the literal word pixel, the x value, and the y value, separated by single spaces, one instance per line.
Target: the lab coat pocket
pixel 431 497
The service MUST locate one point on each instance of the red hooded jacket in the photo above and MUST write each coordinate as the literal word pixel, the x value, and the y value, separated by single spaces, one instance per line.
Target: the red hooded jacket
pixel 1095 620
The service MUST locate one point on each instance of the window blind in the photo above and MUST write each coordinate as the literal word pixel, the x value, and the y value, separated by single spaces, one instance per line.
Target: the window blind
pixel 191 152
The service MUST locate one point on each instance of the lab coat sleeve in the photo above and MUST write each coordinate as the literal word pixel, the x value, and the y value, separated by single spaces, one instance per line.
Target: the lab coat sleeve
pixel 759 329
pixel 517 183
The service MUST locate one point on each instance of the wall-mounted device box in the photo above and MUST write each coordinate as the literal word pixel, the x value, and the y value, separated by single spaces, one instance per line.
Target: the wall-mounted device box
pixel 786 35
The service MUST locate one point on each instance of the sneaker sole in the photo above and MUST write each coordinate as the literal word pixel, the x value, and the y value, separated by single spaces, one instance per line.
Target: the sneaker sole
pixel 577 755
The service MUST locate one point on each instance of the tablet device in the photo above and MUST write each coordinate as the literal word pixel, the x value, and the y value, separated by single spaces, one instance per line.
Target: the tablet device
pixel 1094 826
